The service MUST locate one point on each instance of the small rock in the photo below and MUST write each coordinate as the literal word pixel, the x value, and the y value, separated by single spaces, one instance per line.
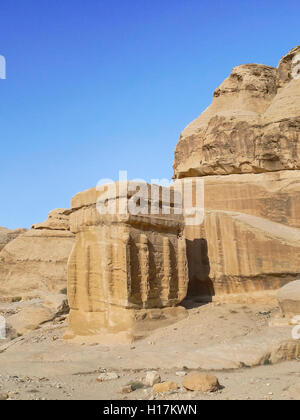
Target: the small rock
pixel 127 389
pixel 165 387
pixel 4 397
pixel 181 373
pixel 196 381
pixel 152 378
pixel 135 385
pixel 109 376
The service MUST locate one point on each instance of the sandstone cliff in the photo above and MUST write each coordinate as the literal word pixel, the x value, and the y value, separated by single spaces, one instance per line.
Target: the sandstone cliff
pixel 37 260
pixel 8 235
pixel 246 146
pixel 252 126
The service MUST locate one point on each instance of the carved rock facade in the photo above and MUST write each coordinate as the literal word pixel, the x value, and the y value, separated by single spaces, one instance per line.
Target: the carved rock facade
pixel 127 273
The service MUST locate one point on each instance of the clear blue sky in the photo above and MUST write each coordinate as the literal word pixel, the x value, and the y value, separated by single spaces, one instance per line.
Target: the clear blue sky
pixel 96 86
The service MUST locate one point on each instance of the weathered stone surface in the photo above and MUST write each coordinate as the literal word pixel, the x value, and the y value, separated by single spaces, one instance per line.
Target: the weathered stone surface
pixel 127 272
pixel 274 195
pixel 242 253
pixel 108 376
pixel 8 235
pixel 252 125
pixel 152 378
pixel 246 148
pixel 37 260
pixel 196 381
pixel 29 319
pixel 165 387
pixel 58 219
pixel 289 299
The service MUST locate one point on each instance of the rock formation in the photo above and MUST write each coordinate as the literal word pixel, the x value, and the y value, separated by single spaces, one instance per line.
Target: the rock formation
pixel 252 125
pixel 289 300
pixel 246 147
pixel 127 272
pixel 37 260
pixel 7 235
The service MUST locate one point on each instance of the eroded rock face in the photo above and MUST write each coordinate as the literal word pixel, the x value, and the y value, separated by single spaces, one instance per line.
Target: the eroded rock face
pixel 58 219
pixel 127 273
pixel 240 253
pixel 37 259
pixel 246 148
pixel 8 235
pixel 252 126
pixel 201 382
pixel 289 299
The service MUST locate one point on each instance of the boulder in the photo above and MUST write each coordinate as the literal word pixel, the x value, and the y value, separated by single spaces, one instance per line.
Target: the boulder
pixel 165 387
pixel 152 378
pixel 29 319
pixel 196 381
pixel 289 299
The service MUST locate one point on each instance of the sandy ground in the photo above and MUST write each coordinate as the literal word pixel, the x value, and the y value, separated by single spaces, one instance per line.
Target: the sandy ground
pixel 43 366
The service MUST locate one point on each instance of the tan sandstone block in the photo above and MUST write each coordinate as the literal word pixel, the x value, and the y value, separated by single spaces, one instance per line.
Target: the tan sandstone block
pixel 126 272
pixel 165 387
pixel 196 381
pixel 289 299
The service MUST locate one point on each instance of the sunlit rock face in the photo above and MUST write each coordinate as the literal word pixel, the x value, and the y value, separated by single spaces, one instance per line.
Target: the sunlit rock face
pixel 252 126
pixel 127 273
pixel 36 260
pixel 8 235
pixel 246 147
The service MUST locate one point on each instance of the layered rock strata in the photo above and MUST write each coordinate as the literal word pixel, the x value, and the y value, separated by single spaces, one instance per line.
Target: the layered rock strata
pixel 127 272
pixel 37 260
pixel 246 148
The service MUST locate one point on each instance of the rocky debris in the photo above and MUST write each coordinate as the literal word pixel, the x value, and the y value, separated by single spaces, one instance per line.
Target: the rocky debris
pixel 36 261
pixel 289 299
pixel 164 387
pixel 107 376
pixel 57 302
pixel 26 316
pixel 8 235
pixel 152 378
pixel 196 381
